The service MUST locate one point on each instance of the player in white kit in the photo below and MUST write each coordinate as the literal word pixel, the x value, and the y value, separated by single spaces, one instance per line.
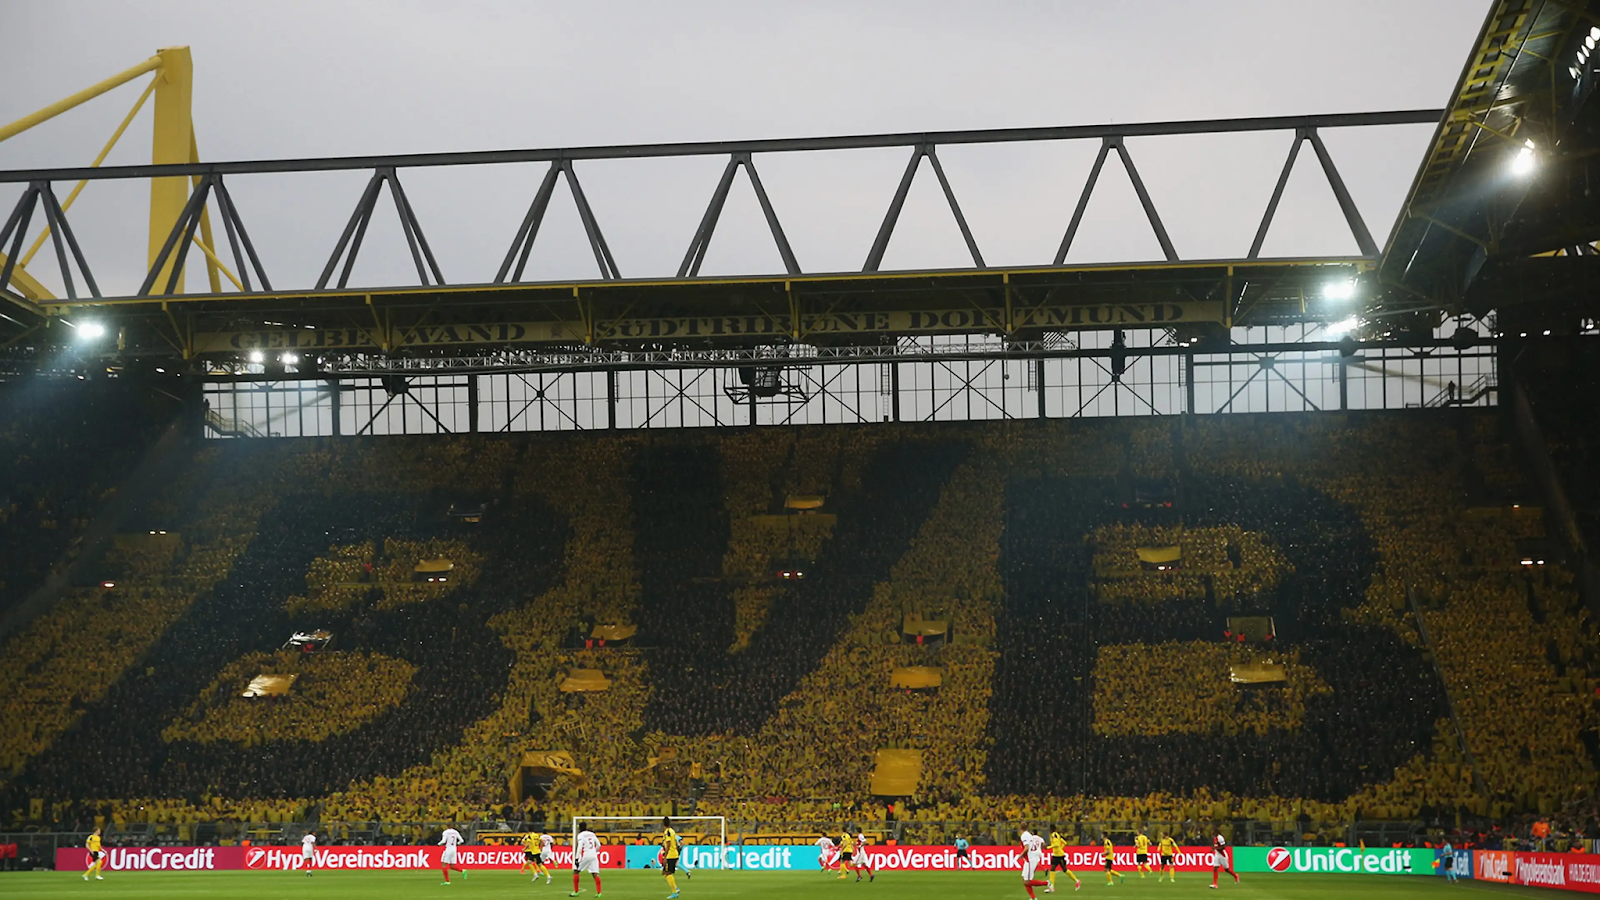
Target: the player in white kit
pixel 308 851
pixel 585 858
pixel 447 859
pixel 1032 860
pixel 547 854
pixel 861 860
pixel 827 853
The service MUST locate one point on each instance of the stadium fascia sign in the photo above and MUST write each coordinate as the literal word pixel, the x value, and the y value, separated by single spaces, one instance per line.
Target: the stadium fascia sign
pixel 750 857
pixel 1564 871
pixel 155 859
pixel 902 858
pixel 1335 860
pixel 775 325
pixel 269 859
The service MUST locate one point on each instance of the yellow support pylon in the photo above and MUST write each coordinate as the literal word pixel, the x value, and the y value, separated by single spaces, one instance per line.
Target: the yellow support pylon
pixel 171 143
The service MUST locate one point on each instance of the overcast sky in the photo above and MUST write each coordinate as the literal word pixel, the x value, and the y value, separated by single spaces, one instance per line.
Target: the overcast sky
pixel 288 79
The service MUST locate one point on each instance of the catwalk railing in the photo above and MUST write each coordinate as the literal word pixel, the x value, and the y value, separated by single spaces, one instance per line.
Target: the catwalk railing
pixel 1148 373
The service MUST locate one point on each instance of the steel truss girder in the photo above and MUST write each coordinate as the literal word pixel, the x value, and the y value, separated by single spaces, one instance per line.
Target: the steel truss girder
pixel 384 169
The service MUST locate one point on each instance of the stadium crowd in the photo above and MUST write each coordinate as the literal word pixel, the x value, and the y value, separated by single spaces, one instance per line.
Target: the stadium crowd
pixel 60 468
pixel 1057 701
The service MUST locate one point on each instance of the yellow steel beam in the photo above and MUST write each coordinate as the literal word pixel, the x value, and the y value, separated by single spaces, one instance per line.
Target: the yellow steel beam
pixel 104 152
pixel 32 290
pixel 215 264
pixel 172 142
pixel 88 93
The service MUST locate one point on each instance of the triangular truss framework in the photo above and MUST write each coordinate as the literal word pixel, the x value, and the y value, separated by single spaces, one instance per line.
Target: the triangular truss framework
pixel 356 230
pixel 1107 144
pixel 1347 205
pixel 880 244
pixel 522 244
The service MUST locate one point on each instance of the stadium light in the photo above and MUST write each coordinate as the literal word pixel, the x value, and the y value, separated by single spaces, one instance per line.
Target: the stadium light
pixel 290 359
pixel 88 331
pixel 256 356
pixel 1524 162
pixel 1343 326
pixel 1339 290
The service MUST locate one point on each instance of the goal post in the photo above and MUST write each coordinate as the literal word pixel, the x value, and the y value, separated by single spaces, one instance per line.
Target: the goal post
pixel 695 830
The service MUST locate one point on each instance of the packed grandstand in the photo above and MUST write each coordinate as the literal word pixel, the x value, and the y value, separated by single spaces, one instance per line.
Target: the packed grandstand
pixel 1359 627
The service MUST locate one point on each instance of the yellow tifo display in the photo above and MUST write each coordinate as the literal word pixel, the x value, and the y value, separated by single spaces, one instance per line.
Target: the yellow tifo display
pixel 1140 563
pixel 896 772
pixel 288 695
pixel 1202 689
pixel 405 572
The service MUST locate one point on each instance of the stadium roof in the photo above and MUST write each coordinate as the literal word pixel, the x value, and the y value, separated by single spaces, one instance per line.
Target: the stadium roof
pixel 1503 209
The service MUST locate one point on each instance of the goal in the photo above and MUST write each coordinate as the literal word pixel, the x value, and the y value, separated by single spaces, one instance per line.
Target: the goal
pixel 695 830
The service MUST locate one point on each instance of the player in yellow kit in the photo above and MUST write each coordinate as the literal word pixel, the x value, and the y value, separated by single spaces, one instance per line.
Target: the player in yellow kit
pixel 670 844
pixel 1141 853
pixel 97 857
pixel 530 854
pixel 1169 857
pixel 1109 854
pixel 1058 862
pixel 847 852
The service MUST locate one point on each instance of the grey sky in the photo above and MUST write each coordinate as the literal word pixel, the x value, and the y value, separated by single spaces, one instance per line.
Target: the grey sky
pixel 331 78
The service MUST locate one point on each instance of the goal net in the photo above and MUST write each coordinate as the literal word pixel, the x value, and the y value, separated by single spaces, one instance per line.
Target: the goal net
pixel 701 831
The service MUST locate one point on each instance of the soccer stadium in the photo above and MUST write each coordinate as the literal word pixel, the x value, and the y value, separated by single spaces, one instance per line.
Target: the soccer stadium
pixel 1265 569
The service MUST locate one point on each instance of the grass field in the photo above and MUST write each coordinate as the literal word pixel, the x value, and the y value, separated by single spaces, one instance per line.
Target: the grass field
pixel 639 885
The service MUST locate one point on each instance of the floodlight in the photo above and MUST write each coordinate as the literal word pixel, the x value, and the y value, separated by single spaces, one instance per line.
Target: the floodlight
pixel 1343 326
pixel 1573 71
pixel 1594 32
pixel 88 331
pixel 256 356
pixel 290 359
pixel 1524 162
pixel 1588 42
pixel 1339 290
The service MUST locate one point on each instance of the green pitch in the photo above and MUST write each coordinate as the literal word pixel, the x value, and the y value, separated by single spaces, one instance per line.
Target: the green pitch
pixel 642 885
